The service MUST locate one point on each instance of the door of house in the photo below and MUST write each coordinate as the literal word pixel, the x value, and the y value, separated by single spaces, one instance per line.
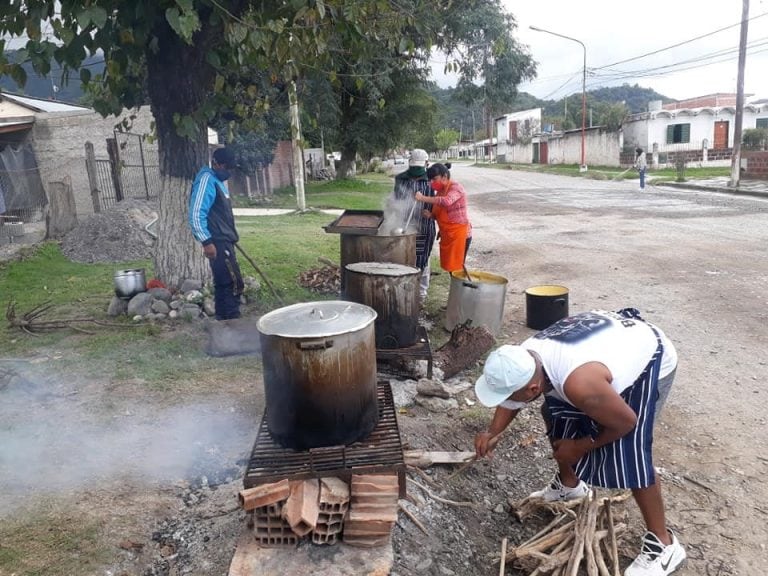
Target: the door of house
pixel 721 135
pixel 536 152
pixel 543 153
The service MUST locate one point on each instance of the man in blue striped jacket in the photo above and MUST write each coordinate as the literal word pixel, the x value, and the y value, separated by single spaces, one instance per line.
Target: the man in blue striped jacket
pixel 213 225
pixel 604 377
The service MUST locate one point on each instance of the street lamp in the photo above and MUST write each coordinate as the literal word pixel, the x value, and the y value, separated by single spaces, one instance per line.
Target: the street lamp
pixel 583 167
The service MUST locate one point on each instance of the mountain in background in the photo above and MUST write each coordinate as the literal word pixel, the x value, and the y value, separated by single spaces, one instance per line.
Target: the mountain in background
pixel 39 86
pixel 469 120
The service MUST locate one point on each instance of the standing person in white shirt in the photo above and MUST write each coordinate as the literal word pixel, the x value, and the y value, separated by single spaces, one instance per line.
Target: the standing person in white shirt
pixel 641 165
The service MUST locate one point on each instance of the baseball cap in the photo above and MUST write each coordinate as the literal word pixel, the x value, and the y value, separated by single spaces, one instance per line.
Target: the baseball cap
pixel 225 157
pixel 507 370
pixel 419 157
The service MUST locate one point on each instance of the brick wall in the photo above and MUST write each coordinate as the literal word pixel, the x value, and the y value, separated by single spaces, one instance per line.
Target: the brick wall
pixel 59 144
pixel 281 169
pixel 757 165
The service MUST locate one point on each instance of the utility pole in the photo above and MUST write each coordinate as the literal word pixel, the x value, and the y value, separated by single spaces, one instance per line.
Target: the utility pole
pixel 737 129
pixel 474 146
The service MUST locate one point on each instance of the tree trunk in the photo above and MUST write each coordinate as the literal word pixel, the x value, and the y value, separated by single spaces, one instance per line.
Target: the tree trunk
pixel 178 78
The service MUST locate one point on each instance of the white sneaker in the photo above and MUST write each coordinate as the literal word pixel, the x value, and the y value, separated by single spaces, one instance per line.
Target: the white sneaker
pixel 655 559
pixel 556 492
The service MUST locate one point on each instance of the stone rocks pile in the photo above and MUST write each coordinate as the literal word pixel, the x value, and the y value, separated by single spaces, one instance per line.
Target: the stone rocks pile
pixel 191 302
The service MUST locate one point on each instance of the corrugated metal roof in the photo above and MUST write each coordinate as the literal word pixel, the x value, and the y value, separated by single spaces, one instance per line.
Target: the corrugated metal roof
pixel 42 105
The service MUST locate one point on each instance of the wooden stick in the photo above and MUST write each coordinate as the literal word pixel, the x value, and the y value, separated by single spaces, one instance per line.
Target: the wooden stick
pixel 598 554
pixel 425 458
pixel 589 536
pixel 503 556
pixel 443 500
pixel 612 535
pixel 413 518
pixel 424 475
pixel 543 531
pixel 577 552
pixel 462 468
pixel 263 276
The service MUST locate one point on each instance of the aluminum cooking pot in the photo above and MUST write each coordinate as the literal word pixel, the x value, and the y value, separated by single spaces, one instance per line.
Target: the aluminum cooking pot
pixel 130 282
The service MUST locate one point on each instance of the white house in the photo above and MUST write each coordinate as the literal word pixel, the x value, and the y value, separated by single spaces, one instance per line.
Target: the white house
pixel 701 128
pixel 514 135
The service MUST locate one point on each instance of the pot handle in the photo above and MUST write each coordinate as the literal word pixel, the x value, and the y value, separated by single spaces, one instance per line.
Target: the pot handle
pixel 561 301
pixel 470 285
pixel 321 345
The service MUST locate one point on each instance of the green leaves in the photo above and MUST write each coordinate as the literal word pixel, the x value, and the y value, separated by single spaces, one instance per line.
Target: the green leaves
pixel 183 19
pixel 95 15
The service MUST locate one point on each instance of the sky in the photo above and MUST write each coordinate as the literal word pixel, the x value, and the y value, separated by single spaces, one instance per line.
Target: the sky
pixel 613 31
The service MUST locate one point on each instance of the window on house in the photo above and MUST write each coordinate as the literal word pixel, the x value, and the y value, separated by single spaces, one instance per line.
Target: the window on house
pixel 761 123
pixel 678 133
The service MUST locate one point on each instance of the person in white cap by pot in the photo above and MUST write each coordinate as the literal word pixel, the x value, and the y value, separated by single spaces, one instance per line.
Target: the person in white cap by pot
pixel 407 184
pixel 604 377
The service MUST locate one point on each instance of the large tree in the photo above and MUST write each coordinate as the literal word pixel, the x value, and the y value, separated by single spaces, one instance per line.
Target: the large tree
pixel 489 60
pixel 176 56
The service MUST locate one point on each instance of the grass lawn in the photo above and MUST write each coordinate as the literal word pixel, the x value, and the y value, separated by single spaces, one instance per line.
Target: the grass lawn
pixel 282 246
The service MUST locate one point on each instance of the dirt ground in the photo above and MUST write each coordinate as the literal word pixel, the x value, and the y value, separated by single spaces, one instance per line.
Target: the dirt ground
pixel 146 485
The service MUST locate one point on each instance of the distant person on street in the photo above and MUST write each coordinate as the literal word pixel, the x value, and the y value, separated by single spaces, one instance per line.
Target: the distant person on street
pixel 213 225
pixel 641 165
pixel 604 377
pixel 407 184
pixel 449 208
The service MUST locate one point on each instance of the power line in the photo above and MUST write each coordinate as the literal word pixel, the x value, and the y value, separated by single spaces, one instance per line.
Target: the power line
pixel 679 43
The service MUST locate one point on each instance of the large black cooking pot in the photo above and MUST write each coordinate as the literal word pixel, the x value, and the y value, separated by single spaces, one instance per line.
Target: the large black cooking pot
pixel 545 305
pixel 319 373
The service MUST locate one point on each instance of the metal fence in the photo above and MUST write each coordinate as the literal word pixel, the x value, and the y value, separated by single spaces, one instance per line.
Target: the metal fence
pixel 132 170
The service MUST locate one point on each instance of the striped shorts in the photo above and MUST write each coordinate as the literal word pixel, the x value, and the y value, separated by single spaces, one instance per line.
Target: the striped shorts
pixel 627 462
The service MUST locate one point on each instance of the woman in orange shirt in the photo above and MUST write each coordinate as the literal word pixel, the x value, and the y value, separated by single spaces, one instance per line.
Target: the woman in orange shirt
pixel 449 208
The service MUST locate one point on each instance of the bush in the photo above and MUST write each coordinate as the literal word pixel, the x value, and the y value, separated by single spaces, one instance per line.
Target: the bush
pixel 755 138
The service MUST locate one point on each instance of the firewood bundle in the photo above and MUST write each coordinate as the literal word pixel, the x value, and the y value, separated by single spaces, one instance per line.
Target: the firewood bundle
pixel 323 280
pixel 583 533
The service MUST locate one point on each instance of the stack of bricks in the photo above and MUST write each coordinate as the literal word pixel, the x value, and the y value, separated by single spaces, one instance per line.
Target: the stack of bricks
pixel 334 502
pixel 266 503
pixel 372 510
pixel 324 510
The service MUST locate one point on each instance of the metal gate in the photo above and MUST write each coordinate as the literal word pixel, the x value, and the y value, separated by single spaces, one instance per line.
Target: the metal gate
pixel 132 170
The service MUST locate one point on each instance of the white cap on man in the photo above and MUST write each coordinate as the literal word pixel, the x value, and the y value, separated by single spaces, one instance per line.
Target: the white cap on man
pixel 507 370
pixel 418 157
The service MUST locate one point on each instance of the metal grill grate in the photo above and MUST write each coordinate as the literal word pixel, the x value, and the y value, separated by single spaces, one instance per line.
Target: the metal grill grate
pixel 421 350
pixel 380 452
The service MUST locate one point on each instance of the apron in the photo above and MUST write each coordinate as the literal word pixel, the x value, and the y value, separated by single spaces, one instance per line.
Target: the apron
pixel 453 241
pixel 625 463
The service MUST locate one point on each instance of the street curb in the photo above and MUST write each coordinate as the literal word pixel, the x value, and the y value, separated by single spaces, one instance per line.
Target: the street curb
pixel 721 189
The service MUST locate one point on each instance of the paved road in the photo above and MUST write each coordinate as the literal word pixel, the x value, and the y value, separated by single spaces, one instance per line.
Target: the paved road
pixel 696 263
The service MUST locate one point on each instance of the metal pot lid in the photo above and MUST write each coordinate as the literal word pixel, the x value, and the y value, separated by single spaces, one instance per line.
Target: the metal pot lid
pixel 316 319
pixel 382 268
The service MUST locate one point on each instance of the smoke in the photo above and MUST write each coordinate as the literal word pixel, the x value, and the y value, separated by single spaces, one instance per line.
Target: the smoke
pixel 400 214
pixel 53 439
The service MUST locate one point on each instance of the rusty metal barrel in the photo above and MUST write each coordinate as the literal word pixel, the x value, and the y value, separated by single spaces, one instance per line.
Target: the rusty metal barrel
pixel 392 290
pixel 396 248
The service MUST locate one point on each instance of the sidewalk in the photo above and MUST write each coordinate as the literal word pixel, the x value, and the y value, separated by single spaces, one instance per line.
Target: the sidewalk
pixel 756 188
pixel 277 211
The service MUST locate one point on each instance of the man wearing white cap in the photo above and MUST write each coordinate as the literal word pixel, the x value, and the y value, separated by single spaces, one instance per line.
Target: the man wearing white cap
pixel 605 377
pixel 407 184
